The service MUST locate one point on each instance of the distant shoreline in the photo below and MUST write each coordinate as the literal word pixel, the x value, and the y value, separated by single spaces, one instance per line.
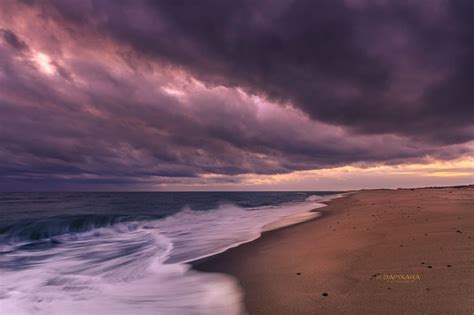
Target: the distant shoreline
pixel 229 191
pixel 410 248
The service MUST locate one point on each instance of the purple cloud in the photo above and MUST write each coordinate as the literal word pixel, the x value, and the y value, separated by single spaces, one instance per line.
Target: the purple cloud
pixel 134 93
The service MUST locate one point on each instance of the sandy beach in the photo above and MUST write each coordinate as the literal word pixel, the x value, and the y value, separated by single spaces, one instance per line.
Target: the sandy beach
pixel 407 251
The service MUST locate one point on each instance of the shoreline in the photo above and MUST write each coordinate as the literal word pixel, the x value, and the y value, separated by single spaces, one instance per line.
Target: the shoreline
pixel 320 214
pixel 356 242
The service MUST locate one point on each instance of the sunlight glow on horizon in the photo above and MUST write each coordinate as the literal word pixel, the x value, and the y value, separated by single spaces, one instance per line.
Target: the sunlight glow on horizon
pixel 434 173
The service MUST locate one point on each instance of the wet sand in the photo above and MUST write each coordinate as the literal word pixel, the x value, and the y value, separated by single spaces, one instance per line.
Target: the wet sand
pixel 373 252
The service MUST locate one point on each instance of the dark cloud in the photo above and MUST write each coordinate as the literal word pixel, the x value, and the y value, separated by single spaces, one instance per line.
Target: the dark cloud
pixel 398 67
pixel 114 102
pixel 11 39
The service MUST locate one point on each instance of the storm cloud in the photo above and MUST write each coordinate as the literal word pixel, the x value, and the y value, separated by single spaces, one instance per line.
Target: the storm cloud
pixel 137 93
pixel 381 66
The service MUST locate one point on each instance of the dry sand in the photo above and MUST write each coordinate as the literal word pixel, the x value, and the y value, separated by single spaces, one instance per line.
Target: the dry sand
pixel 347 253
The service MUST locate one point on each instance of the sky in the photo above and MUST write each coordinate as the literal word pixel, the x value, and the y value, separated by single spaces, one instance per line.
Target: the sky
pixel 235 95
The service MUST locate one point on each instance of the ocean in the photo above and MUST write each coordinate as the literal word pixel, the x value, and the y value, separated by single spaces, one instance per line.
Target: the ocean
pixel 130 253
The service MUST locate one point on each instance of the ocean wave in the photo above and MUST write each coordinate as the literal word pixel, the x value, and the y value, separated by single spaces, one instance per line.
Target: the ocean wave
pixel 39 229
pixel 130 264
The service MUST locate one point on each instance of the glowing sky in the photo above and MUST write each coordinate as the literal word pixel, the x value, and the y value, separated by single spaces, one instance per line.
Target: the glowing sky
pixel 235 95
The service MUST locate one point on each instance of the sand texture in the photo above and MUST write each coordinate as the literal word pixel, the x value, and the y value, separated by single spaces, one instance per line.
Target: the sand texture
pixel 352 260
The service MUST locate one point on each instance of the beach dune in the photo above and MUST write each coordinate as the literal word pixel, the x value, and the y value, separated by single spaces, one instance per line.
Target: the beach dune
pixel 406 251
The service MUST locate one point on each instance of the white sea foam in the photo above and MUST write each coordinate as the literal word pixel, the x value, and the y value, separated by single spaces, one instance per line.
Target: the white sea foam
pixel 140 267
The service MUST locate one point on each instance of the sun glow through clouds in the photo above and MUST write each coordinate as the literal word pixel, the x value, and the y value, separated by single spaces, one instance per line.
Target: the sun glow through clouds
pixel 44 63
